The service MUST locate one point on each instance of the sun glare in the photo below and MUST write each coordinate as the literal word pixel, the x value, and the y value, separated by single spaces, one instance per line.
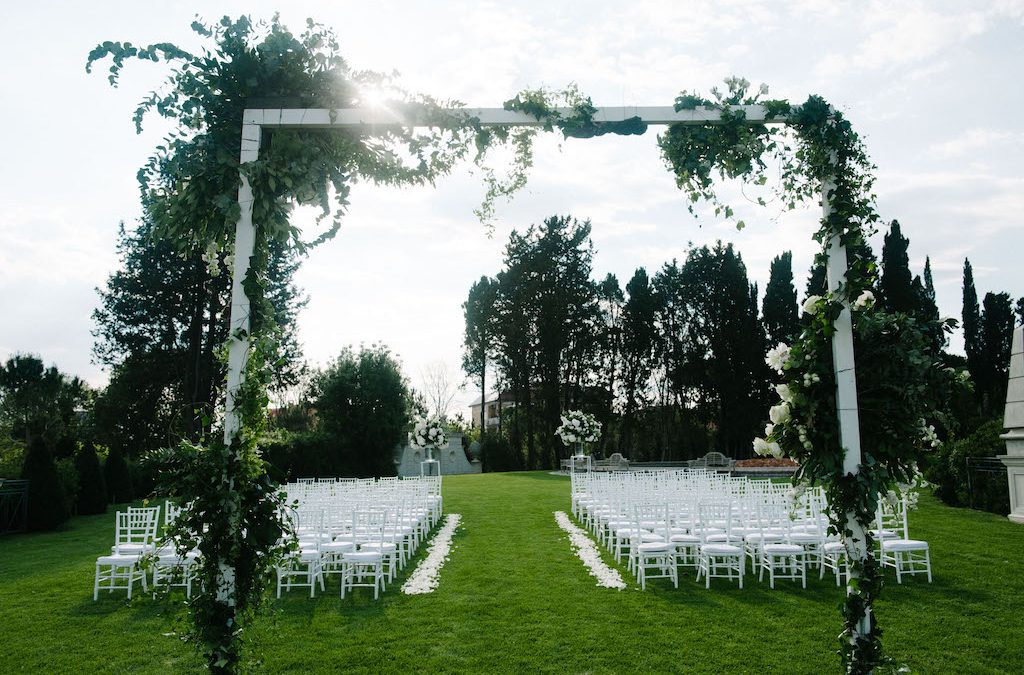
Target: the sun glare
pixel 374 97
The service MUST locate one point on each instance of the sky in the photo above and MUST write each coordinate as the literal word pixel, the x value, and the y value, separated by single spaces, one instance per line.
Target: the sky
pixel 934 88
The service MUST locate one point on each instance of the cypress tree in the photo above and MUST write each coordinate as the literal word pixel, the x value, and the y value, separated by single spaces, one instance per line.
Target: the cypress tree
pixel 92 488
pixel 996 337
pixel 118 477
pixel 46 503
pixel 971 323
pixel 895 288
pixel 779 309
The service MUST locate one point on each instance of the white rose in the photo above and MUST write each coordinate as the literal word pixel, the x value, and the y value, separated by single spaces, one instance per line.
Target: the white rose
pixel 866 299
pixel 768 429
pixel 784 392
pixel 779 414
pixel 811 304
pixel 778 357
pixel 775 450
pixel 761 446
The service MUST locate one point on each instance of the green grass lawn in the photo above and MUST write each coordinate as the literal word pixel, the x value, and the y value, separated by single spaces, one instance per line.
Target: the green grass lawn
pixel 513 598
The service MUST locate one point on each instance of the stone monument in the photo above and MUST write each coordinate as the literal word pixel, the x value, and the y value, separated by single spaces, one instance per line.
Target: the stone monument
pixel 1013 422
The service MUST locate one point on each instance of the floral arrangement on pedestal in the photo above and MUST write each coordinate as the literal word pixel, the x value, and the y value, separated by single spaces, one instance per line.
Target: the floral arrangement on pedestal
pixel 578 428
pixel 429 434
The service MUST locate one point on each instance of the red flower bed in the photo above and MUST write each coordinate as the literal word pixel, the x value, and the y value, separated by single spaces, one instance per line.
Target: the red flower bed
pixel 767 461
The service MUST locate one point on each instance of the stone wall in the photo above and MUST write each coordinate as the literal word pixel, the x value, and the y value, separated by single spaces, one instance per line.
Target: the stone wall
pixel 452 458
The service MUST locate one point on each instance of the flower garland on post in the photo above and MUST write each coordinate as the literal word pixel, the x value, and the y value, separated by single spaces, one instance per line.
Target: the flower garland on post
pixel 898 389
pixel 190 190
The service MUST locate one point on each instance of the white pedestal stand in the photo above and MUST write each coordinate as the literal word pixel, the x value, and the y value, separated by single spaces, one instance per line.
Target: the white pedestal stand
pixel 430 466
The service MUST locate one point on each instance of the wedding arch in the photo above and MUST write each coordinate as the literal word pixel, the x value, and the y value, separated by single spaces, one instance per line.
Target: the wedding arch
pixel 201 193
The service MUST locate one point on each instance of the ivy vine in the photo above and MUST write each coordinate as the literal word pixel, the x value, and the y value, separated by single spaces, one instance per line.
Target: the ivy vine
pixel 899 386
pixel 189 188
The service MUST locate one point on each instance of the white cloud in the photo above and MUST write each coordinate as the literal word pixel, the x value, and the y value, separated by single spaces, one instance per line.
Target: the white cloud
pixel 973 140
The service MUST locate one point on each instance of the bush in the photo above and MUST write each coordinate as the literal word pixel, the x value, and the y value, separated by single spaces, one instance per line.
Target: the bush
pixel 363 406
pixel 92 493
pixel 144 477
pixel 47 507
pixel 948 471
pixel 12 457
pixel 67 476
pixel 497 454
pixel 118 477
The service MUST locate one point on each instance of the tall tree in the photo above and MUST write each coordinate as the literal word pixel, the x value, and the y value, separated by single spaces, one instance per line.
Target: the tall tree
pixel 606 369
pixel 725 345
pixel 39 400
pixel 779 309
pixel 997 324
pixel 971 323
pixel 639 344
pixel 162 317
pixel 547 317
pixel 478 312
pixel 363 405
pixel 896 288
pixel 1019 309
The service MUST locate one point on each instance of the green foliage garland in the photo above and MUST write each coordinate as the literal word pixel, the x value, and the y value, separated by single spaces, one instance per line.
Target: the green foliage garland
pixel 897 382
pixel 189 189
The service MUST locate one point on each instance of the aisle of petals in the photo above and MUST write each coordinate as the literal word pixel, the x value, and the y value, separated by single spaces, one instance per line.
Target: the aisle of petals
pixel 588 553
pixel 424 578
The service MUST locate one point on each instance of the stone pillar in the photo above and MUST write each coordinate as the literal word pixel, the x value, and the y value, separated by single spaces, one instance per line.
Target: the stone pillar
pixel 1013 421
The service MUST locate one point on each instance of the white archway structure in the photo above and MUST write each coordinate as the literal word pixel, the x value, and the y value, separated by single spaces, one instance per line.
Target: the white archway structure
pixel 255 120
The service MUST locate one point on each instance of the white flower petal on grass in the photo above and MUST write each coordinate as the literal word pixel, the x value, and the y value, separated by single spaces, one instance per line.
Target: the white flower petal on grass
pixel 587 551
pixel 424 578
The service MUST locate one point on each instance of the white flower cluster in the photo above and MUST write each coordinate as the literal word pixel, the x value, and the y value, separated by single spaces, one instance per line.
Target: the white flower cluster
pixel 425 578
pixel 811 304
pixel 866 299
pixel 579 427
pixel 811 378
pixel 210 257
pixel 771 448
pixel 429 434
pixel 587 551
pixel 911 492
pixel 928 435
pixel 795 500
pixel 778 357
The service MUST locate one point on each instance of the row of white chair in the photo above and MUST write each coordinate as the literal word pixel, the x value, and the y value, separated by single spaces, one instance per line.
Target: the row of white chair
pixel 364 531
pixel 666 520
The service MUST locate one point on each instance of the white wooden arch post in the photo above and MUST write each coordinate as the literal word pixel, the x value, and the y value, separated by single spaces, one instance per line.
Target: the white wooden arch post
pixel 255 120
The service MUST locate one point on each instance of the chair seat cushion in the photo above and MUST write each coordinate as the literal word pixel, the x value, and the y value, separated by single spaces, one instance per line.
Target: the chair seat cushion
pixel 904 545
pixel 724 539
pixel 721 549
pixel 804 538
pixel 685 539
pixel 122 560
pixel 782 549
pixel 834 547
pixel 338 547
pixel 378 546
pixel 654 547
pixel 362 556
pixel 763 537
